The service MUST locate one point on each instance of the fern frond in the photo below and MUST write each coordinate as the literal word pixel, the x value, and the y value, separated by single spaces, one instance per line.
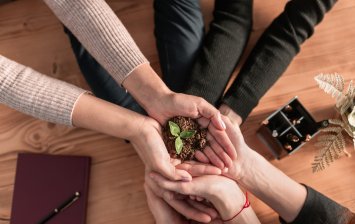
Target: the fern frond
pixel 326 137
pixel 332 129
pixel 349 129
pixel 332 84
pixel 351 90
pixel 344 104
pixel 336 122
pixel 331 149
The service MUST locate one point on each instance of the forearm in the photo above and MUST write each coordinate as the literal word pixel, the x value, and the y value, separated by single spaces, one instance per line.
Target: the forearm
pixel 35 94
pixel 274 51
pixel 97 27
pixel 247 216
pixel 221 49
pixel 273 187
pixel 99 115
pixel 146 87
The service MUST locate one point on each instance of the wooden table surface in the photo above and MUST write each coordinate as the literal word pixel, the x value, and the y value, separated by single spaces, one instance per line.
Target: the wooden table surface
pixel 30 34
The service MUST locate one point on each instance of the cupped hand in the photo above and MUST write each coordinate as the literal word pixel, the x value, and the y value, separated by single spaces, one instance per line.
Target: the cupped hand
pixel 168 207
pixel 222 192
pixel 232 135
pixel 151 149
pixel 245 158
pixel 177 104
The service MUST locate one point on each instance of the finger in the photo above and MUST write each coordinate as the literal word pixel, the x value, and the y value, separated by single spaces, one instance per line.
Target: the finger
pixel 192 197
pixel 154 187
pixel 216 221
pixel 188 211
pixel 223 140
pixel 185 188
pixel 211 155
pixel 203 122
pixel 174 161
pixel 170 172
pixel 208 111
pixel 150 194
pixel 233 132
pixel 203 208
pixel 199 198
pixel 200 156
pixel 199 169
pixel 219 151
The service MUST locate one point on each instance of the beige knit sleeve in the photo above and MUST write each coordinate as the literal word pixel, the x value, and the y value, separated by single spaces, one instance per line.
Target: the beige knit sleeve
pixel 100 31
pixel 32 93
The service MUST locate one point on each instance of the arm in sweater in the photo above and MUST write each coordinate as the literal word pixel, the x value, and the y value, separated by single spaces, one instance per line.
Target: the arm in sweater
pixel 274 52
pixel 221 50
pixel 101 32
pixel 32 93
pixel 96 25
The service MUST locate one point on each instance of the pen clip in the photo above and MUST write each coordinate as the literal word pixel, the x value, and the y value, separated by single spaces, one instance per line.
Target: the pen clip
pixel 77 195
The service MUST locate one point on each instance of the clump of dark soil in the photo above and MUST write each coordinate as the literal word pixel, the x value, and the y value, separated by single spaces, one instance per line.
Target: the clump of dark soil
pixel 183 136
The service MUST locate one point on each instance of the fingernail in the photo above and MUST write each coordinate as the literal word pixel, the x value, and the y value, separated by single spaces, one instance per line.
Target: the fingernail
pixel 221 121
pixel 225 170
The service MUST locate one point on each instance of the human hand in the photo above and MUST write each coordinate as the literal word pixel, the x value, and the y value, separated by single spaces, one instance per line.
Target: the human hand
pixel 150 147
pixel 220 150
pixel 223 193
pixel 162 104
pixel 161 211
pixel 245 155
pixel 168 207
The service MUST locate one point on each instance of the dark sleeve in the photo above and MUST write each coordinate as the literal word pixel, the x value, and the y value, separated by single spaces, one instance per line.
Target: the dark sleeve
pixel 320 209
pixel 221 50
pixel 274 51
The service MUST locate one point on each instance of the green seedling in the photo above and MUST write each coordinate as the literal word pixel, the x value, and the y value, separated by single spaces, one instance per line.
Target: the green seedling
pixel 175 131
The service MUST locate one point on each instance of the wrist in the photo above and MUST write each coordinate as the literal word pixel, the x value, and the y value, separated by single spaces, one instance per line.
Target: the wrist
pixel 146 86
pixel 228 208
pixel 228 112
pixel 243 167
pixel 142 128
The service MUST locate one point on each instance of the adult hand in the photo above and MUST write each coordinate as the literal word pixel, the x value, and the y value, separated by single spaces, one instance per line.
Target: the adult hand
pixel 162 104
pixel 168 207
pixel 244 154
pixel 222 192
pixel 161 211
pixel 150 147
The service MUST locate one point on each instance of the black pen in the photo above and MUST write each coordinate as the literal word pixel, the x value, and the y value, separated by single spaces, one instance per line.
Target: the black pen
pixel 61 207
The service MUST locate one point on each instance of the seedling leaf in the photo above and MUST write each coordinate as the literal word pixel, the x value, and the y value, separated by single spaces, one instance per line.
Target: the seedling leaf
pixel 178 145
pixel 187 134
pixel 174 129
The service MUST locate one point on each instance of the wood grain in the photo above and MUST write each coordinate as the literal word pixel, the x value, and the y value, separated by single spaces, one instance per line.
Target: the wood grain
pixel 30 34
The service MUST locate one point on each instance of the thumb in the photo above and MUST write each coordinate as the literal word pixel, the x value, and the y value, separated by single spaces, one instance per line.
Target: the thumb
pixel 172 173
pixel 210 112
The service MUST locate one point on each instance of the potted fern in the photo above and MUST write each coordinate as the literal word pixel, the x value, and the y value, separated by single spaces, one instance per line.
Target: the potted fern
pixel 332 144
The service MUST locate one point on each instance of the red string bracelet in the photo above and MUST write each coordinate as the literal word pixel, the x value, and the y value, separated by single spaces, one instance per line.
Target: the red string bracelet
pixel 246 205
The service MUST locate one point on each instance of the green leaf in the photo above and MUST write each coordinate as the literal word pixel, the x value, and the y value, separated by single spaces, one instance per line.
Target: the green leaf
pixel 178 145
pixel 174 129
pixel 187 134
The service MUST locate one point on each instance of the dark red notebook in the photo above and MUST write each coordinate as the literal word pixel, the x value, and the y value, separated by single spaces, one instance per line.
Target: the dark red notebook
pixel 43 182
